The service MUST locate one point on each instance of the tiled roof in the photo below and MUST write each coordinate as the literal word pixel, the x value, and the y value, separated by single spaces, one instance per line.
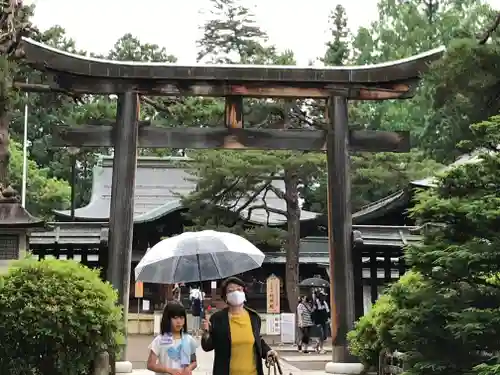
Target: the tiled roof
pixel 160 183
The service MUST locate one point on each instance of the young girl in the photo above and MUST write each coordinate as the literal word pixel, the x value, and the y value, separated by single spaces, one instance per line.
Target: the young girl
pixel 174 350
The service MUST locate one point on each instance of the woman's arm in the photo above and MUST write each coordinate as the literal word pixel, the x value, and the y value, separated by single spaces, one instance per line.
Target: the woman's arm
pixel 206 339
pixel 266 349
pixel 300 314
pixel 206 342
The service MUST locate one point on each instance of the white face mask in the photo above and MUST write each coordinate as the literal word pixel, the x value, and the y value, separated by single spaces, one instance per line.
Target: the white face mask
pixel 236 298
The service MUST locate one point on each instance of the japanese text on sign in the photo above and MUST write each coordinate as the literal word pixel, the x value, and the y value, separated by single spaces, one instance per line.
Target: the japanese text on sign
pixel 273 294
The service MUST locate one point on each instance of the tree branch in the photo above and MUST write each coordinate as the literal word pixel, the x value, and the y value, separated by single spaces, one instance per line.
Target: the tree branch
pixel 218 197
pixel 301 116
pixel 157 106
pixel 388 166
pixel 264 206
pixel 237 201
pixel 252 198
pixel 490 30
pixel 267 209
pixel 279 193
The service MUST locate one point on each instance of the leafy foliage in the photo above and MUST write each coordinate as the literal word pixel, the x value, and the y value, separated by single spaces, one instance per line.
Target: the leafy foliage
pixel 370 175
pixel 465 91
pixel 404 29
pixel 231 185
pixel 56 317
pixel 44 193
pixel 129 48
pixel 337 50
pixel 372 333
pixel 449 324
pixel 232 35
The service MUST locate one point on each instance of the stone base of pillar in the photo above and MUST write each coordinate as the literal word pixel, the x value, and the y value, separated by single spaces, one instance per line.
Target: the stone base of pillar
pixel 338 368
pixel 123 367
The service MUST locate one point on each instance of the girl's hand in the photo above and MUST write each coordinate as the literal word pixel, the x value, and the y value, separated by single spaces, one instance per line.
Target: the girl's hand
pixel 187 371
pixel 175 371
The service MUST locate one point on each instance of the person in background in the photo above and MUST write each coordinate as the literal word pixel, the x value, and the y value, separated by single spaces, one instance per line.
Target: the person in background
pixel 321 319
pixel 176 295
pixel 234 334
pixel 173 351
pixel 304 310
pixel 196 297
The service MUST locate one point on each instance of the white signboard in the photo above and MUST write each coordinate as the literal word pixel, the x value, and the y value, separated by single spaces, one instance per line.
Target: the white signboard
pixel 288 328
pixel 213 284
pixel 273 323
pixel 157 322
pixel 145 305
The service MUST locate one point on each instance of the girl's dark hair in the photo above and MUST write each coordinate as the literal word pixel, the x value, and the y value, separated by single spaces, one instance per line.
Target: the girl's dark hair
pixel 172 310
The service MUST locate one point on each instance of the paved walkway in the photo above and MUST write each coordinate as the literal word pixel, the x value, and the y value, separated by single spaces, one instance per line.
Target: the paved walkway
pixel 292 362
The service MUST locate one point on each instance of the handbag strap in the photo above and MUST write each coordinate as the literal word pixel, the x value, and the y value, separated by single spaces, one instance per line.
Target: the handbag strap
pixel 275 365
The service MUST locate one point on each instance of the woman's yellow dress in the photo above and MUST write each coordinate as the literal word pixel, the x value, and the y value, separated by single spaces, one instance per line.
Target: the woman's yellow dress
pixel 242 345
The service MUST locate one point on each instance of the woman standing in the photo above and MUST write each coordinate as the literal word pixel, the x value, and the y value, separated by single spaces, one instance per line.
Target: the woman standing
pixel 321 319
pixel 234 334
pixel 304 310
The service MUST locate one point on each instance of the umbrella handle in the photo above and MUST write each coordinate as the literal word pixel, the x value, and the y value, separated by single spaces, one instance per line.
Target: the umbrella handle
pixel 199 272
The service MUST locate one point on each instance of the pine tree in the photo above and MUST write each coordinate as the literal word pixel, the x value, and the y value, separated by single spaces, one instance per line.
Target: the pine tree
pixel 338 47
pixel 231 35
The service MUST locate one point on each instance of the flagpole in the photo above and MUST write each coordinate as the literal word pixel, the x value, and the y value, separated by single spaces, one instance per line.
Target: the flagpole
pixel 25 152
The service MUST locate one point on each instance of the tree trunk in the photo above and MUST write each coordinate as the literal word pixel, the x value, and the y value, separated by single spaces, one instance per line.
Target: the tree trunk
pixel 4 147
pixel 293 238
pixel 5 86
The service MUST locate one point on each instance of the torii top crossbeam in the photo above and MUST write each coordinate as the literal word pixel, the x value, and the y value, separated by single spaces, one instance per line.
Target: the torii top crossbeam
pixel 83 74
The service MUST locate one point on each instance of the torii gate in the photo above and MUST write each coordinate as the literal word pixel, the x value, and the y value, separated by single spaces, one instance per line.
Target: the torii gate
pixel 84 75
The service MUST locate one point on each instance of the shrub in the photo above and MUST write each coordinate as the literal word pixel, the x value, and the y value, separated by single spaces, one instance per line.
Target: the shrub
pixel 372 332
pixel 55 317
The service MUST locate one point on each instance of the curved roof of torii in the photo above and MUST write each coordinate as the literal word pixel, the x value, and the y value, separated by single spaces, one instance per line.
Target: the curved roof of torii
pixel 160 183
pixel 66 64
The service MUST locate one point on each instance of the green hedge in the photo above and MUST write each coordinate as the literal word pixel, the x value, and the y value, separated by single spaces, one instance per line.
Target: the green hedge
pixel 372 332
pixel 55 317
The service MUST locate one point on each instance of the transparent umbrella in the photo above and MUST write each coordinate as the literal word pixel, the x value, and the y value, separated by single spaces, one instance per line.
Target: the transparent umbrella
pixel 198 256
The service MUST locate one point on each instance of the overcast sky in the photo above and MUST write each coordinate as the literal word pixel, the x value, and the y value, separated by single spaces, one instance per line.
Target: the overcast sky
pixel 297 25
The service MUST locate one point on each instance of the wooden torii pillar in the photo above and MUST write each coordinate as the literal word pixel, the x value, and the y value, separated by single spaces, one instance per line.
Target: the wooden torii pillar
pixel 396 80
pixel 121 218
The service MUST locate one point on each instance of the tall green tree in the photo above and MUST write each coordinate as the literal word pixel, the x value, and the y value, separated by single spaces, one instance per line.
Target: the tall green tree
pixel 436 124
pixel 231 185
pixel 46 191
pixel 370 174
pixel 130 48
pixel 232 36
pixel 449 321
pixel 370 171
pixel 403 29
pixel 464 90
pixel 338 48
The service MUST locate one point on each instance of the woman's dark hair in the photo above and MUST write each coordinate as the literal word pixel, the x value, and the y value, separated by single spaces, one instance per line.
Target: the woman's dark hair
pixel 172 310
pixel 230 280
